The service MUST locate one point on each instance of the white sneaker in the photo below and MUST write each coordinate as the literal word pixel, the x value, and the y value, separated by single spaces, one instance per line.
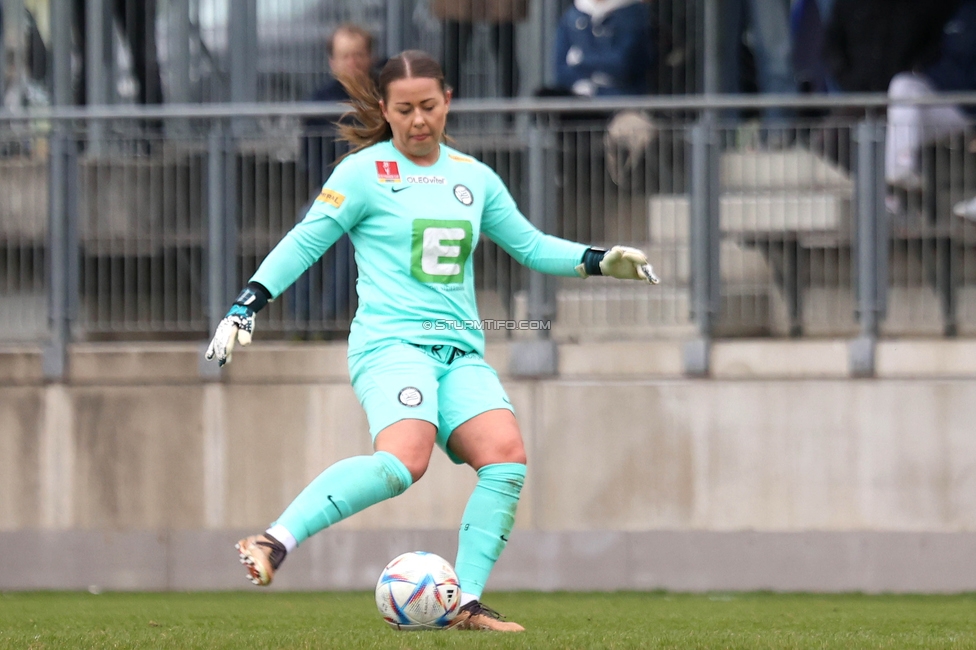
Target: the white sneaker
pixel 965 209
pixel 907 180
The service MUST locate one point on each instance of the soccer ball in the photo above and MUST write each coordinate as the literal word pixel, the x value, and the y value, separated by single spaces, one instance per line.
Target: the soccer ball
pixel 418 591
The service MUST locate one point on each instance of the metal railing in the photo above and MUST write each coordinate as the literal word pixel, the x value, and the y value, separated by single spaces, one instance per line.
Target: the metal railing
pixel 146 226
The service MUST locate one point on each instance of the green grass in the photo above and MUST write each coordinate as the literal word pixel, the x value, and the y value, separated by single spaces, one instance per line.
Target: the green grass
pixel 563 620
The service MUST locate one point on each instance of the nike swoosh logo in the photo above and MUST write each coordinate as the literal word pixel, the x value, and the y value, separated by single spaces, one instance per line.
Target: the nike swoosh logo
pixel 400 189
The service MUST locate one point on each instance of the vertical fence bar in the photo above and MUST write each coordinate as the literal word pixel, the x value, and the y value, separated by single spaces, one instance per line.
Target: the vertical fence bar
pixel 221 234
pixel 179 73
pixel 62 249
pixel 537 357
pixel 871 246
pixel 99 66
pixel 710 75
pixel 394 27
pixel 705 236
pixel 55 359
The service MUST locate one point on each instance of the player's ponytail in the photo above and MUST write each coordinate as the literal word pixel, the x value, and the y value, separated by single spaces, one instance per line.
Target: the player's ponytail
pixel 372 127
pixel 365 97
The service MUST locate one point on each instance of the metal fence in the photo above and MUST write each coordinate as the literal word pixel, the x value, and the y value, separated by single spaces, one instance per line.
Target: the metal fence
pixel 208 51
pixel 146 226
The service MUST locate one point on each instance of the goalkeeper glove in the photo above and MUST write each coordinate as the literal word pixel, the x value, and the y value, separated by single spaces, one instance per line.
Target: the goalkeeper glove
pixel 621 262
pixel 238 324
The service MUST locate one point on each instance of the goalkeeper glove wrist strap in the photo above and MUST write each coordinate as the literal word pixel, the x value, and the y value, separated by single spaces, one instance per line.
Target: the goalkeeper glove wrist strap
pixel 591 260
pixel 254 296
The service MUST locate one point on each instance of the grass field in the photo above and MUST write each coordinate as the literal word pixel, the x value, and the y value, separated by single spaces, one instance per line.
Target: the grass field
pixel 619 620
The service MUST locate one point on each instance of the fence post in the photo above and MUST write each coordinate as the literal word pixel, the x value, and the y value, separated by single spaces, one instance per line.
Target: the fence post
pixel 62 250
pixel 870 245
pixel 538 356
pixel 705 235
pixel 221 234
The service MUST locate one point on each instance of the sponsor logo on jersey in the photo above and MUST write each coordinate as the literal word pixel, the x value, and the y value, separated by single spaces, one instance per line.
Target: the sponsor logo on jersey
pixel 463 194
pixel 410 396
pixel 464 159
pixel 426 180
pixel 387 171
pixel 331 197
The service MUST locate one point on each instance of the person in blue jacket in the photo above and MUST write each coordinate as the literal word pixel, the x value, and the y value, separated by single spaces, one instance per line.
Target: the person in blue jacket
pixel 605 48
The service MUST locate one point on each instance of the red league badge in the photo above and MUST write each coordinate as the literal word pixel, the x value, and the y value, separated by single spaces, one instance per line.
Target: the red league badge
pixel 387 171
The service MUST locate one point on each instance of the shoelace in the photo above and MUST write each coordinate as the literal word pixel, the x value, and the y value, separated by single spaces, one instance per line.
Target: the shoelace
pixel 477 608
pixel 278 552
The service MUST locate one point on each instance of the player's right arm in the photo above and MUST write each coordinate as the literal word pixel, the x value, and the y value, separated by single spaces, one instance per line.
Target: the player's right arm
pixel 339 206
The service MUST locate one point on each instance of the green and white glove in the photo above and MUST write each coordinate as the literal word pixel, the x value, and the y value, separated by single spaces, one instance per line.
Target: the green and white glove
pixel 621 262
pixel 238 324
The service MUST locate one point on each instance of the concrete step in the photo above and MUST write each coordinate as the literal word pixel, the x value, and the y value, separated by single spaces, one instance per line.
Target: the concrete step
pixel 23 317
pixel 739 264
pixel 755 214
pixel 743 171
pixel 23 200
pixel 634 310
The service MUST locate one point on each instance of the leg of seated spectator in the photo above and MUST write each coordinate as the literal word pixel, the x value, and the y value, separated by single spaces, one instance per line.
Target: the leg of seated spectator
pixel 941 121
pixel 770 24
pixel 904 130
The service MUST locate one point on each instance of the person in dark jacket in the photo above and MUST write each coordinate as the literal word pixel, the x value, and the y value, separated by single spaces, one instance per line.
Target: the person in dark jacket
pixel 867 42
pixel 325 292
pixel 910 126
pixel 767 21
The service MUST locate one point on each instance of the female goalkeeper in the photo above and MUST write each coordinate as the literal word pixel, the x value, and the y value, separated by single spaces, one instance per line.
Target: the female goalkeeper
pixel 414 209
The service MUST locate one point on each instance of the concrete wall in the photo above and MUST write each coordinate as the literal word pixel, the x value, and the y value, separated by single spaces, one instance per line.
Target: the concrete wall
pixel 779 454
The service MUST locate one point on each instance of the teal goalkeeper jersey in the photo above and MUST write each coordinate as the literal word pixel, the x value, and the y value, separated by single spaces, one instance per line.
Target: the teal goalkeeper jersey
pixel 415 230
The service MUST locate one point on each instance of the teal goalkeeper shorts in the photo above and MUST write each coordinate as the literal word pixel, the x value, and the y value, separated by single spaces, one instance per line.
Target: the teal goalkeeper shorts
pixel 437 383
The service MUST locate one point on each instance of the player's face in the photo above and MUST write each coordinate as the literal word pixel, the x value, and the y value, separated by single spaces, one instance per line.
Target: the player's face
pixel 350 55
pixel 416 109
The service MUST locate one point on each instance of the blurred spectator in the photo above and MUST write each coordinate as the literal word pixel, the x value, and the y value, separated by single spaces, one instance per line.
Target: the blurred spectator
pixel 460 19
pixel 137 22
pixel 24 85
pixel 605 47
pixel 807 20
pixel 325 291
pixel 911 126
pixel 767 24
pixel 867 42
pixel 350 50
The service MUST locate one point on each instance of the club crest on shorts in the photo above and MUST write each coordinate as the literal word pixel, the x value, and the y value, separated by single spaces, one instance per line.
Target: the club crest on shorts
pixel 463 194
pixel 410 396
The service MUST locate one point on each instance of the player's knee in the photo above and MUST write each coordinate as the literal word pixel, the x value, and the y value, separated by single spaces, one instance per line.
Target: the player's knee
pixel 511 451
pixel 417 466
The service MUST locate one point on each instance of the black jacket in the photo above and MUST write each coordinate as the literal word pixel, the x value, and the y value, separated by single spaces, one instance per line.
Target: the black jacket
pixel 319 147
pixel 867 42
pixel 955 69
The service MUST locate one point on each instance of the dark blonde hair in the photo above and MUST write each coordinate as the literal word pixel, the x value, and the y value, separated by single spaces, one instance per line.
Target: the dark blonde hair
pixel 365 97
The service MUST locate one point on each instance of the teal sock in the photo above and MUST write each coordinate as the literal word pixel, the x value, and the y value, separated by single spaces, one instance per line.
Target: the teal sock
pixel 487 523
pixel 344 489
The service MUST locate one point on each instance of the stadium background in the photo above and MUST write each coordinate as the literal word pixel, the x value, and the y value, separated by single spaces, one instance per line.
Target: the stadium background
pixel 791 409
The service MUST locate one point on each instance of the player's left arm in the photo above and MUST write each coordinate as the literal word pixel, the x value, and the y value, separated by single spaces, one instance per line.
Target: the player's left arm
pixel 505 225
